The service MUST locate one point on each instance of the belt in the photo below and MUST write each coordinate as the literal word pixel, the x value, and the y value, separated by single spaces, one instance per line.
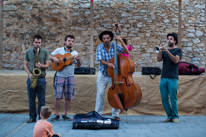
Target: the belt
pixel 41 76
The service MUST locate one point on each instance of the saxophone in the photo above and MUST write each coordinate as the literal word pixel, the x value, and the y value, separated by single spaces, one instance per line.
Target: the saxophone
pixel 36 71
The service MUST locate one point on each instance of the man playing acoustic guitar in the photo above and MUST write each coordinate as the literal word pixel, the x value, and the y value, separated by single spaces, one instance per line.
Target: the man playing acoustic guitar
pixel 64 81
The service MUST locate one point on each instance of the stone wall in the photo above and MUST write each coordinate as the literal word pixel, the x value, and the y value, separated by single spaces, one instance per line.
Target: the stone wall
pixel 144 23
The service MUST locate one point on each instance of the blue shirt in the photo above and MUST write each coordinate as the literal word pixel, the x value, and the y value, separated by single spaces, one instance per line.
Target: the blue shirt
pixel 102 54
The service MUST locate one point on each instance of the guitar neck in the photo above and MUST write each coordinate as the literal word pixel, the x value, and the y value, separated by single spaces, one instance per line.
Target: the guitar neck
pixel 80 54
pixel 71 57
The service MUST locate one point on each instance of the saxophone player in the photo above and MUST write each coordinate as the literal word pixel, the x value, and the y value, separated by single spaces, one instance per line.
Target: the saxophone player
pixel 36 58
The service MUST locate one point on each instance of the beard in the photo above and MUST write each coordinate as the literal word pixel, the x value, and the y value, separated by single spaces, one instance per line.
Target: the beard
pixel 69 46
pixel 106 43
pixel 170 44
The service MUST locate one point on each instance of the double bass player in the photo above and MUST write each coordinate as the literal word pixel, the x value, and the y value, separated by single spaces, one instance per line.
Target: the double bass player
pixel 104 53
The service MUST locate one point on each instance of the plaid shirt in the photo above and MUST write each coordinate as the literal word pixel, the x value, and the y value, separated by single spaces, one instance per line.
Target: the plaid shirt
pixel 103 55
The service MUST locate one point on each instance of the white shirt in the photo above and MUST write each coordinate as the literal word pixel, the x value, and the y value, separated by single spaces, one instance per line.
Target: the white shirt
pixel 68 71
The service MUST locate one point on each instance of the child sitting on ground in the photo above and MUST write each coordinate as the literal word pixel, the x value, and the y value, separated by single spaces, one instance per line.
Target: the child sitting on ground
pixel 42 127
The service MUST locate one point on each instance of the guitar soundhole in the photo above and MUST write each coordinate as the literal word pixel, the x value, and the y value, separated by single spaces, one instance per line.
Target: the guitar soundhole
pixel 57 64
pixel 64 59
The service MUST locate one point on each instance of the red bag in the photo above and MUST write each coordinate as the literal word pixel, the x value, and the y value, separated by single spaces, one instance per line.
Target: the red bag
pixel 185 68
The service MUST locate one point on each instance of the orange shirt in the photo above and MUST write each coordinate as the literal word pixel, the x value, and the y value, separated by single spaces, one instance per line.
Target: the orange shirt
pixel 43 128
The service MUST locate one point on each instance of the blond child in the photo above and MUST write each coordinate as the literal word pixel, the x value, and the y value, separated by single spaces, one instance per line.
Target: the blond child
pixel 42 127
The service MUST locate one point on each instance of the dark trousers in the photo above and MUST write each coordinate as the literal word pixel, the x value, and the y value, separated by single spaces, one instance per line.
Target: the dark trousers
pixel 39 91
pixel 55 135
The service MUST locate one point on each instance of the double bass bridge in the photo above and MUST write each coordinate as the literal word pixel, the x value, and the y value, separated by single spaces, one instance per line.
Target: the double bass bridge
pixel 118 82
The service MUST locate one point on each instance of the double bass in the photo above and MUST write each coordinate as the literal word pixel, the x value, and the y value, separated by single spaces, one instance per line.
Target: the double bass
pixel 124 93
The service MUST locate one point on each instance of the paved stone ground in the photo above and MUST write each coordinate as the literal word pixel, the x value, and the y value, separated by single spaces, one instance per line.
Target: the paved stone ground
pixel 14 125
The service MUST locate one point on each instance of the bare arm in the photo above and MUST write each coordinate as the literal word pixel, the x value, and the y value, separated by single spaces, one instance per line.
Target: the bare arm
pixel 159 56
pixel 45 66
pixel 175 59
pixel 52 58
pixel 78 64
pixel 27 69
pixel 107 63
pixel 78 61
pixel 126 51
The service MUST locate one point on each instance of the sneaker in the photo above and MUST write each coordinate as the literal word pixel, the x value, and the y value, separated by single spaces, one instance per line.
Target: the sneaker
pixel 65 117
pixel 31 120
pixel 55 118
pixel 176 120
pixel 167 120
pixel 117 118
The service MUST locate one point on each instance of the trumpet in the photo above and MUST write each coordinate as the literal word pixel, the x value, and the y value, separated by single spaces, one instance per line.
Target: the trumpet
pixel 159 49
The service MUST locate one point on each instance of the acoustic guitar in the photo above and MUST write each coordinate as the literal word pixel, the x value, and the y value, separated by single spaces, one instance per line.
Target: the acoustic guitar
pixel 65 60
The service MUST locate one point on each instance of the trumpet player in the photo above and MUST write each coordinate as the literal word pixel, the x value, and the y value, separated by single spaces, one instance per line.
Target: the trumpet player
pixel 170 56
pixel 36 57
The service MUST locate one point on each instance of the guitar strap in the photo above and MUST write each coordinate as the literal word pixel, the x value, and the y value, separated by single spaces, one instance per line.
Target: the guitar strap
pixel 67 51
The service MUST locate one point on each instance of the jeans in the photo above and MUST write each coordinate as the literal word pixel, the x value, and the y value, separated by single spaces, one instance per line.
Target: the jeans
pixel 39 91
pixel 168 89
